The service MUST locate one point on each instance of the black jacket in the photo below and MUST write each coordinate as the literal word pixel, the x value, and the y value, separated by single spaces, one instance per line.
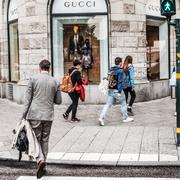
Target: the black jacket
pixel 76 76
pixel 80 44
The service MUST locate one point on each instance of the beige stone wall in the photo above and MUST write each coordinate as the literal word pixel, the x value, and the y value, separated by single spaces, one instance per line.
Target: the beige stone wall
pixel 3 41
pixel 173 35
pixel 128 33
pixel 177 9
pixel 33 35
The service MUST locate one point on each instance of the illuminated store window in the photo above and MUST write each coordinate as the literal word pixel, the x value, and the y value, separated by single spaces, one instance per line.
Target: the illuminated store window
pixel 153 52
pixel 13 42
pixel 80 36
pixel 14 56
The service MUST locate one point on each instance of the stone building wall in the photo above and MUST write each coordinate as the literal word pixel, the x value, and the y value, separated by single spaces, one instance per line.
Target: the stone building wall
pixel 127 36
pixel 33 36
pixel 128 33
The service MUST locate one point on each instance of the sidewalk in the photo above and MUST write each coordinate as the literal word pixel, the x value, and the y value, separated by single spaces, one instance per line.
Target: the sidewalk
pixel 149 140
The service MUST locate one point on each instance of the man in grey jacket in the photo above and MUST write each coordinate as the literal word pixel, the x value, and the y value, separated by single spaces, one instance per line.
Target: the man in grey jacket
pixel 42 92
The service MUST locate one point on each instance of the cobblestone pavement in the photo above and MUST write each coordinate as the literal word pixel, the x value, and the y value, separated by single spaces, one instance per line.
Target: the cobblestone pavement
pixel 150 139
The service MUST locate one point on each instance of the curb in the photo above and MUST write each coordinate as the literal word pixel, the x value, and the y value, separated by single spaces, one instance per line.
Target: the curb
pixel 14 162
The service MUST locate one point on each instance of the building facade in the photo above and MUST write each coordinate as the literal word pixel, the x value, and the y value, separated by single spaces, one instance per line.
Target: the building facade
pixel 96 31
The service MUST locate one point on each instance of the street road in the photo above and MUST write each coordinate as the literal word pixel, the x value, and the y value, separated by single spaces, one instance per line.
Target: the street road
pixel 14 170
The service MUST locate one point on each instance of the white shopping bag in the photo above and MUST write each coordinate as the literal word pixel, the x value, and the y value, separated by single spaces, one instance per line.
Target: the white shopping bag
pixel 172 81
pixel 103 86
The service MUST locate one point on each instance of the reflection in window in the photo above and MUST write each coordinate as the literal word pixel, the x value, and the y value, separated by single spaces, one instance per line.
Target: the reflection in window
pixel 14 56
pixel 153 53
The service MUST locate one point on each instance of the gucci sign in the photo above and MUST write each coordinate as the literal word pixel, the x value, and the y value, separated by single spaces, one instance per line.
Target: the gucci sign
pixel 80 4
pixel 13 10
pixel 153 8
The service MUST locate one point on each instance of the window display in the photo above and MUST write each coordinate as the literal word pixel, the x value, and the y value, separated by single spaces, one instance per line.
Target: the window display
pixel 153 52
pixel 76 43
pixel 83 38
pixel 157 49
pixel 14 55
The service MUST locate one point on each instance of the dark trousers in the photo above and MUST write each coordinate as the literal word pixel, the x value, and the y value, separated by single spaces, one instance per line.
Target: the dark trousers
pixel 132 93
pixel 73 107
pixel 42 131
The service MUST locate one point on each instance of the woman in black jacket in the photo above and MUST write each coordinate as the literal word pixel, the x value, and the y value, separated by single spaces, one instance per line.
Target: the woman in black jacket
pixel 76 78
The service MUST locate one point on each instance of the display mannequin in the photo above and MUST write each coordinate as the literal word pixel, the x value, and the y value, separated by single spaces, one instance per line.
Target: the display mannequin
pixel 87 59
pixel 76 43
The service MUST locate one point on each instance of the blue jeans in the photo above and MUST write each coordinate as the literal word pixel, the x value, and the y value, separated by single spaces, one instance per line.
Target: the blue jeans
pixel 110 100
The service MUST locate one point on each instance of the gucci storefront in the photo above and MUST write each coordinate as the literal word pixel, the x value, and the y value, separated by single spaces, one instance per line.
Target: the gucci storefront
pixel 94 31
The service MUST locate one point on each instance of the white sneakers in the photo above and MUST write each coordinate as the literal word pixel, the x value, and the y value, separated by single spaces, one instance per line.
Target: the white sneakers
pixel 129 119
pixel 101 122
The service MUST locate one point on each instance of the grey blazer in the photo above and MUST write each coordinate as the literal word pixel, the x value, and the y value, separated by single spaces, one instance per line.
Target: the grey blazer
pixel 41 94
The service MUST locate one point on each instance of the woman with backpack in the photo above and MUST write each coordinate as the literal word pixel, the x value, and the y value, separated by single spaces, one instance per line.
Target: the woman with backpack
pixel 129 72
pixel 76 79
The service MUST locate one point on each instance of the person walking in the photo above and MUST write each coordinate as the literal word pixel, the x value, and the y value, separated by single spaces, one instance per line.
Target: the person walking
pixel 41 94
pixel 75 78
pixel 116 93
pixel 129 71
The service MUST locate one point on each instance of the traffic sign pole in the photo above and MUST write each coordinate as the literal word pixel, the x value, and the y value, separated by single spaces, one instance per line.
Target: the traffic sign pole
pixel 168 8
pixel 178 79
pixel 169 46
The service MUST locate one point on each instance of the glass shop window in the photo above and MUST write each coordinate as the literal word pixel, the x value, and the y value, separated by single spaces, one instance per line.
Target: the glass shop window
pixel 83 38
pixel 14 54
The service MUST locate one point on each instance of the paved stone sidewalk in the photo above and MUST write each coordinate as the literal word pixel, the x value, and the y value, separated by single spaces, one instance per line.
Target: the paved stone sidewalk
pixel 150 139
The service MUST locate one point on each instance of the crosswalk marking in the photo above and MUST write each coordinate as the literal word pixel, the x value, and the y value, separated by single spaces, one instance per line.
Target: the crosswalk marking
pixel 89 178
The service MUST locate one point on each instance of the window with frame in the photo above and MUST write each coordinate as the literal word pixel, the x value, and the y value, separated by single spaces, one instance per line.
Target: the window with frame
pixel 157 50
pixel 14 52
pixel 89 44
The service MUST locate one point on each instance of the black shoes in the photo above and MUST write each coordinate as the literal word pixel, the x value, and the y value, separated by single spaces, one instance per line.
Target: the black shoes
pixel 75 120
pixel 130 112
pixel 41 169
pixel 65 116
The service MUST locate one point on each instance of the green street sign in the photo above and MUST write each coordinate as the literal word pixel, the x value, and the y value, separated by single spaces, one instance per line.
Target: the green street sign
pixel 168 7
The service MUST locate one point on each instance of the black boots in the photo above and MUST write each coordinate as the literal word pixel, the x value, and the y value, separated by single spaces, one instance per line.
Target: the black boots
pixel 130 112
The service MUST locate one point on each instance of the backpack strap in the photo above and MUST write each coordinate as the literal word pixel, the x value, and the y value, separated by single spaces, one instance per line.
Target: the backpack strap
pixel 73 72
